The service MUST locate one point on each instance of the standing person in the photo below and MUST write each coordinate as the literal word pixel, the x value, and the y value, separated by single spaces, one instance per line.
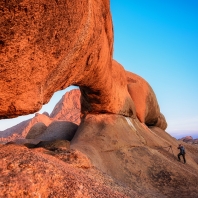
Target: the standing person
pixel 182 152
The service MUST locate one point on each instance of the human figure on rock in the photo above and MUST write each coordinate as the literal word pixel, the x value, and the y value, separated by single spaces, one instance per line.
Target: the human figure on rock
pixel 182 152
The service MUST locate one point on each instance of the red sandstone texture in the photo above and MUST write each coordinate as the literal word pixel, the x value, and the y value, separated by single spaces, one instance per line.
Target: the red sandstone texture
pixel 68 109
pixel 121 155
pixel 42 173
pixel 66 42
pixel 34 59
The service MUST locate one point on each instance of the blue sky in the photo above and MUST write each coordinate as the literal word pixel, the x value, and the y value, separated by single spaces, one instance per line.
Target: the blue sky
pixel 158 40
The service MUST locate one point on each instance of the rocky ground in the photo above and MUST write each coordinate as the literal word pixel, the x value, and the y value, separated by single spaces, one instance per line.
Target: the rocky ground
pixel 117 160
pixel 43 173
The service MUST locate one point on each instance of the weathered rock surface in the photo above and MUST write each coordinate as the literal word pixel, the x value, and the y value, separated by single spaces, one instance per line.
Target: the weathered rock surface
pixel 41 135
pixel 73 48
pixel 68 108
pixel 46 52
pixel 113 152
pixel 137 156
pixel 110 156
pixel 53 145
pixel 42 173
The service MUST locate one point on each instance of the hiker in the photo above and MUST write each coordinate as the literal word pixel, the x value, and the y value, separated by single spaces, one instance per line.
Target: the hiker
pixel 182 152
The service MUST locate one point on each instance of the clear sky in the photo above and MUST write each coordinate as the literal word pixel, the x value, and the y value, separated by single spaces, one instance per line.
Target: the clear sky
pixel 158 40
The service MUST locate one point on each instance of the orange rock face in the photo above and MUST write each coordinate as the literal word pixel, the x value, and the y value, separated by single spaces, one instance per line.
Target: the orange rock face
pixel 48 45
pixel 66 43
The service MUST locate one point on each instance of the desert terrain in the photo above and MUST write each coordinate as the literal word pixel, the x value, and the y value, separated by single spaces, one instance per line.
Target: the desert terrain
pixel 107 139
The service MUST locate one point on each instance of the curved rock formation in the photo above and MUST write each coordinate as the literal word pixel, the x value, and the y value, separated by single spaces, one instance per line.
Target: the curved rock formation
pixel 136 156
pixel 62 38
pixel 58 130
pixel 147 108
pixel 36 130
pixel 48 45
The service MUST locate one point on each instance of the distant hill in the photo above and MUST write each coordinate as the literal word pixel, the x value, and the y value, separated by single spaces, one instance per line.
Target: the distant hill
pixel 189 140
pixel 67 109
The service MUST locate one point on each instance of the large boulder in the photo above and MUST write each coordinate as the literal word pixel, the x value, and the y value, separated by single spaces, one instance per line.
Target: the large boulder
pixel 144 98
pixel 48 45
pixel 36 130
pixel 55 52
pixel 58 130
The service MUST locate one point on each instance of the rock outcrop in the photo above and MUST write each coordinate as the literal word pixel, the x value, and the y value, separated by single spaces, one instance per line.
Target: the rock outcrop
pixel 135 155
pixel 189 140
pixel 58 130
pixel 110 156
pixel 66 43
pixel 67 47
pixel 36 130
pixel 22 129
pixel 120 147
pixel 146 105
pixel 34 173
pixel 67 109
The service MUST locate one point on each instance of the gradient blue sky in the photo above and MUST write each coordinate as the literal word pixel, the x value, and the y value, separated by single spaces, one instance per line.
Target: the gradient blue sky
pixel 158 40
